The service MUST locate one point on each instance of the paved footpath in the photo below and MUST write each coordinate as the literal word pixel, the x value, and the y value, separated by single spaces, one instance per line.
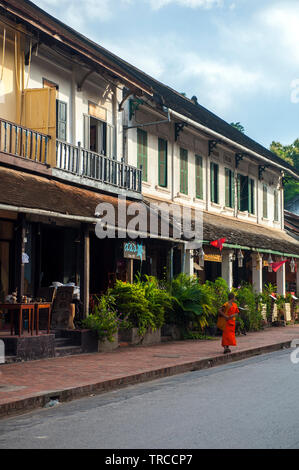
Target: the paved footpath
pixel 28 385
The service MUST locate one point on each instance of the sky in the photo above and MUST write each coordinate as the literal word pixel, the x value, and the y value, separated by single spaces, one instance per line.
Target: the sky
pixel 240 58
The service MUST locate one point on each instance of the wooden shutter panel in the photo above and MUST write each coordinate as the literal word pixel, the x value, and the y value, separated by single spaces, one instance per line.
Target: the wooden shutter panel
pixel 61 120
pixel 239 191
pixel 142 152
pixel 184 171
pixel 227 187
pixel 251 207
pixel 233 188
pixel 212 181
pixel 162 151
pixel 86 132
pixel 198 177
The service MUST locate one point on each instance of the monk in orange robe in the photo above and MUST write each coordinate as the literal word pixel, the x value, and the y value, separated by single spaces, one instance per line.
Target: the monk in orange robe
pixel 229 311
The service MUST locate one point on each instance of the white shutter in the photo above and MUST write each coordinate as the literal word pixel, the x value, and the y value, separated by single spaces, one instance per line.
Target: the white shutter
pixel 86 132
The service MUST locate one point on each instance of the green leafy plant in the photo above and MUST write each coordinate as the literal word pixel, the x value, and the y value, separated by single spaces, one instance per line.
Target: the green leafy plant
pixel 132 304
pixel 192 303
pixel 248 300
pixel 104 318
pixel 157 296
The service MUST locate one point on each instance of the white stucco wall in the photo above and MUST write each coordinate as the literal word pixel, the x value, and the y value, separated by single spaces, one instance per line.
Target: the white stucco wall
pixel 197 144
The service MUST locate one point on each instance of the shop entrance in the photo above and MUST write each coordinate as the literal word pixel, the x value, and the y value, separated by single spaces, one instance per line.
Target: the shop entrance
pixel 212 270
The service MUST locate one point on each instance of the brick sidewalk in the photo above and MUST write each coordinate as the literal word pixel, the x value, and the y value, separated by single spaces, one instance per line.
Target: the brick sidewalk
pixel 28 385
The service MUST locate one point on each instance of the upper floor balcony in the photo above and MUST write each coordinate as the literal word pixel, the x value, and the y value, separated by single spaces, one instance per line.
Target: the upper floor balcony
pixel 72 163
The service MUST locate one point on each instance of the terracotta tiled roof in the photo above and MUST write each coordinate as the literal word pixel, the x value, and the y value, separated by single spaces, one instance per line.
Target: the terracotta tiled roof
pixel 243 233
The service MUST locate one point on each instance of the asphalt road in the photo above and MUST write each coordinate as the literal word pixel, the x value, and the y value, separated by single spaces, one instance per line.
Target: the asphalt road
pixel 249 404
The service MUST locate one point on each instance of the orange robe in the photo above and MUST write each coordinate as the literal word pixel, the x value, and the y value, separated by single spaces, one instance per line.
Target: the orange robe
pixel 228 335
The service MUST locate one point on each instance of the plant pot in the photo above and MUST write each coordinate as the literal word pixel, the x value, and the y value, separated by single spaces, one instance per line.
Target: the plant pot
pixel 173 331
pixel 131 336
pixel 108 346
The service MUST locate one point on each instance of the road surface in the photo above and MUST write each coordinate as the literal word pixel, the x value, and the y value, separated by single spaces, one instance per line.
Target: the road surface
pixel 248 404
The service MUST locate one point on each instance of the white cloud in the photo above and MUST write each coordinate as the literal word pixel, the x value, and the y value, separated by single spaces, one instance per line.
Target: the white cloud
pixel 218 85
pixel 283 20
pixel 157 4
pixel 78 12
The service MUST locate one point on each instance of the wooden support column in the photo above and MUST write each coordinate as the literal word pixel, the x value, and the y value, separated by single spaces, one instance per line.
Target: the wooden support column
pixel 86 270
pixel 130 270
pixel 20 248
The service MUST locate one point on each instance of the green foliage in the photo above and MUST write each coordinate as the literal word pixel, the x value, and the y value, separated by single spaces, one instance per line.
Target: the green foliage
pixel 158 298
pixel 246 298
pixel 104 319
pixel 238 126
pixel 132 304
pixel 264 298
pixel 219 292
pixel 289 153
pixel 191 303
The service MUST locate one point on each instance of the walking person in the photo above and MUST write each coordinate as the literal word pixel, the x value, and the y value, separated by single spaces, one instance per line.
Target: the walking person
pixel 229 311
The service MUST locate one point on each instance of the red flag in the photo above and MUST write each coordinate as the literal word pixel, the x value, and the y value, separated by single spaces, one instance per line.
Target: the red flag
pixel 218 243
pixel 276 266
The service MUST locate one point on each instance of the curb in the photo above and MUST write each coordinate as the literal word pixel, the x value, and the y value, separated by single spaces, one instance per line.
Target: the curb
pixel 39 401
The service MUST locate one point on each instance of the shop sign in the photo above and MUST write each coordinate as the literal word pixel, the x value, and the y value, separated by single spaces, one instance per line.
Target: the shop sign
pixel 213 257
pixel 134 250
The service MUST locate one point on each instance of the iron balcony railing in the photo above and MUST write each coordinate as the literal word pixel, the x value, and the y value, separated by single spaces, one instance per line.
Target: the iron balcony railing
pixel 82 162
pixel 22 142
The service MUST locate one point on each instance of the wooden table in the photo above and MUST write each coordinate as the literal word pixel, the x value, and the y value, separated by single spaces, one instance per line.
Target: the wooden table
pixel 33 308
pixel 20 308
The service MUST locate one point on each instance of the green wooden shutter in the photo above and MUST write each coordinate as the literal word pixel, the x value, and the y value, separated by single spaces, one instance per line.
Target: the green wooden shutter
pixel 162 150
pixel 142 152
pixel 239 192
pixel 198 177
pixel 184 171
pixel 251 206
pixel 233 188
pixel 61 120
pixel 214 182
pixel 265 201
pixel 227 187
pixel 249 196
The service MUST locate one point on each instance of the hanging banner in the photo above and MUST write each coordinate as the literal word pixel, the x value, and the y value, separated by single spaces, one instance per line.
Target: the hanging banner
pixel 218 243
pixel 134 250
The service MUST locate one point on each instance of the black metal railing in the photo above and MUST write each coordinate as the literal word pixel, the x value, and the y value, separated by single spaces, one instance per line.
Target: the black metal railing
pixel 22 142
pixel 82 162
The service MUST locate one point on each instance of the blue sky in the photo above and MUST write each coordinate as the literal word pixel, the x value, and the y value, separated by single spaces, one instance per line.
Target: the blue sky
pixel 239 57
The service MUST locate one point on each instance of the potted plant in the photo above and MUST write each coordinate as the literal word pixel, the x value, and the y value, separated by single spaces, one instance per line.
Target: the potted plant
pixel 280 302
pixel 142 304
pixel 104 322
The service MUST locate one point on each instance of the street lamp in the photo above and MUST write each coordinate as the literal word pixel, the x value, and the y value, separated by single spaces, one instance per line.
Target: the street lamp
pixel 240 259
pixel 292 265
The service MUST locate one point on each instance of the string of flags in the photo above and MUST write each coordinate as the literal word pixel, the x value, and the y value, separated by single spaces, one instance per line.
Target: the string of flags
pixel 272 266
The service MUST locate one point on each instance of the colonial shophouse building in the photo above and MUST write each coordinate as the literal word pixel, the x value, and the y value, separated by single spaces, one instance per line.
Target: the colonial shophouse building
pixel 79 126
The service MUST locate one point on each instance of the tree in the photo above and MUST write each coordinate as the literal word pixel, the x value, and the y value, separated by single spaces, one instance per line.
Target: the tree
pixel 238 126
pixel 289 153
